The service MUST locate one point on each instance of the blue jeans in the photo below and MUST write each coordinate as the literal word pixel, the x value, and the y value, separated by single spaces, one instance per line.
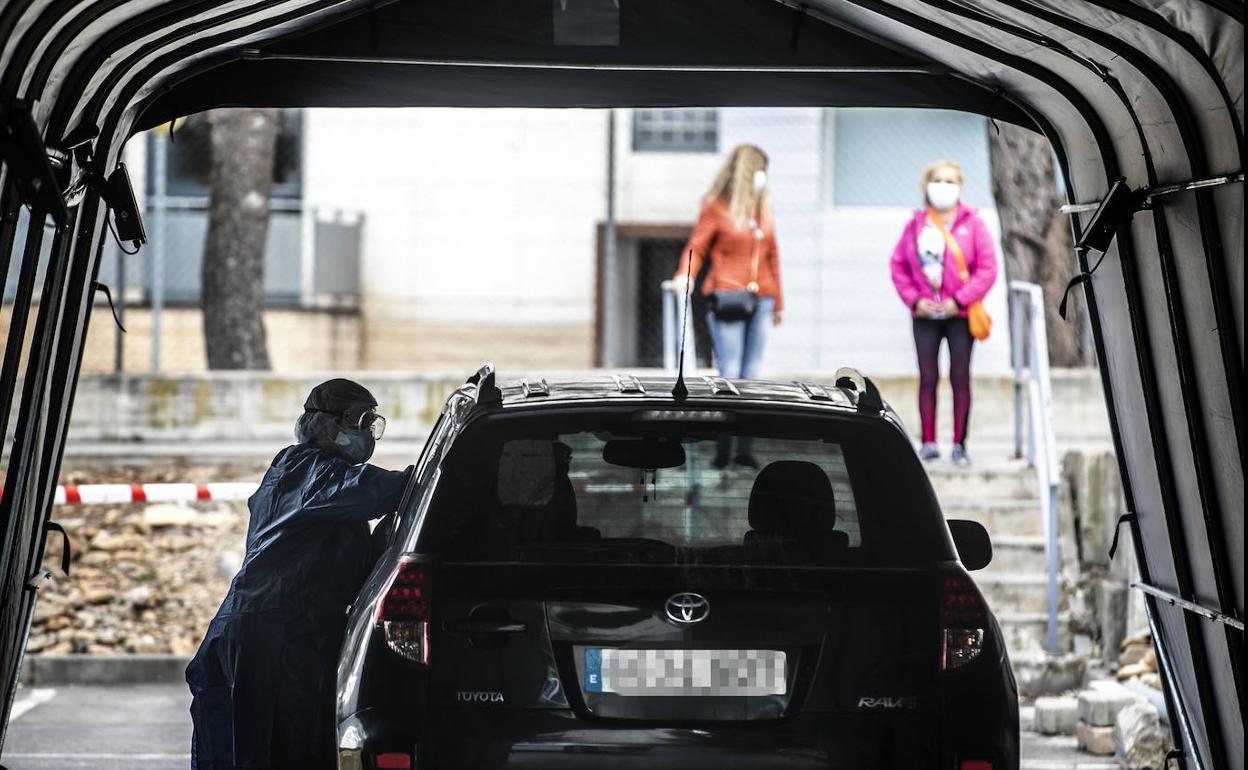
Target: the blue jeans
pixel 739 344
pixel 738 351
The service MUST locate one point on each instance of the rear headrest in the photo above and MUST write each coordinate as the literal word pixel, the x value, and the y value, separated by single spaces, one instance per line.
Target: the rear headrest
pixel 792 496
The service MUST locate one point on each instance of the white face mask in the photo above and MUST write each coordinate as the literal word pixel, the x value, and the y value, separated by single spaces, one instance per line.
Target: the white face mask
pixel 943 195
pixel 760 180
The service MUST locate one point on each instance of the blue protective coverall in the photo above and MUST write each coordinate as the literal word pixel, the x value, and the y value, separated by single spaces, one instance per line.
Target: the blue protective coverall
pixel 263 681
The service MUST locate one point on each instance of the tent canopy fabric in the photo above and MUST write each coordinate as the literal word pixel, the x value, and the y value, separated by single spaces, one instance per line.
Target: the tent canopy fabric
pixel 508 53
pixel 1151 91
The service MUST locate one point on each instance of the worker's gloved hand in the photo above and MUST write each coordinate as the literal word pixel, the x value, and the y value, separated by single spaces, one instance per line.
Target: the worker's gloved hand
pixel 383 533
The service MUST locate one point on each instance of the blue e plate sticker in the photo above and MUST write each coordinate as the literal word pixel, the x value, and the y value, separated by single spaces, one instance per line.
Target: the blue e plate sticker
pixel 593 670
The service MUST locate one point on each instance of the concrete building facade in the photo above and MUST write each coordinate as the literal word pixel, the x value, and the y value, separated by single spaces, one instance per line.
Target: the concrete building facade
pixel 479 234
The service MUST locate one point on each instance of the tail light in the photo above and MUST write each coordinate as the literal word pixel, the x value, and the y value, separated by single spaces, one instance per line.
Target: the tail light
pixel 403 613
pixel 963 620
pixel 393 760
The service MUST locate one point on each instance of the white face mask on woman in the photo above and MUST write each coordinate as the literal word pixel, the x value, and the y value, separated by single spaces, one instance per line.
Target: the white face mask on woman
pixel 760 180
pixel 943 195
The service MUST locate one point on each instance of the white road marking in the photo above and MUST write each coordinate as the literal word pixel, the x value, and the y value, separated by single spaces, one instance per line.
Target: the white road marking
pixel 135 757
pixel 36 697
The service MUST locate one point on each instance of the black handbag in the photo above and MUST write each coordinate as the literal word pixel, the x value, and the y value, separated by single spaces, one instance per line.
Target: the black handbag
pixel 739 305
pixel 734 305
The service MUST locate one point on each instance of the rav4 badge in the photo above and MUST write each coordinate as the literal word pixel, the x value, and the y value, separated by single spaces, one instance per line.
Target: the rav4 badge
pixel 886 702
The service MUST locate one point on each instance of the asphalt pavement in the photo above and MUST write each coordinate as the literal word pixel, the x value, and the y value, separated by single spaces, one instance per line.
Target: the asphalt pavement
pixel 147 727
pixel 133 727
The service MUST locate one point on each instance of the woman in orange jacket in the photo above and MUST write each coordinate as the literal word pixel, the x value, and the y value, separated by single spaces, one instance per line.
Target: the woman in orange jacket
pixel 735 230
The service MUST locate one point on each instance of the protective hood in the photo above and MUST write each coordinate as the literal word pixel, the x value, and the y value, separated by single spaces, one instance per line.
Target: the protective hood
pixel 338 395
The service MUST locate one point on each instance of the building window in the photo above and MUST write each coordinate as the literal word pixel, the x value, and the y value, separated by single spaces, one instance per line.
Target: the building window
pixel 877 155
pixel 179 219
pixel 676 130
pixel 189 158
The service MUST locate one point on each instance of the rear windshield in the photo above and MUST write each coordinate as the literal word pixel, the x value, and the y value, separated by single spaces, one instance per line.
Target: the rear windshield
pixel 636 486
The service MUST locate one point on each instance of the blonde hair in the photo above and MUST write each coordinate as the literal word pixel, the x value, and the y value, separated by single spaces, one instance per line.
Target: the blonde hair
pixel 734 186
pixel 930 170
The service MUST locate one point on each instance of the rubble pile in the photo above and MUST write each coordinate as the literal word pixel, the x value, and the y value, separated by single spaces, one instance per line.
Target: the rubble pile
pixel 1138 661
pixel 1114 716
pixel 143 578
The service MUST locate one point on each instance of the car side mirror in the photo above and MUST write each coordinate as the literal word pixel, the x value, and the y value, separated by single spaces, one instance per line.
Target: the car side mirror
pixel 973 543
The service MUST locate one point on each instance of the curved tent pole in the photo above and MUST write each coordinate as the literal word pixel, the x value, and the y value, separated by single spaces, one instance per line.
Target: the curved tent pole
pixel 1124 238
pixel 1195 419
pixel 1184 40
pixel 55 357
pixel 1194 410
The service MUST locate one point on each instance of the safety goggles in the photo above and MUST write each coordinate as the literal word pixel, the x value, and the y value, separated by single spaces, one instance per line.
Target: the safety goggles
pixel 371 422
pixel 368 420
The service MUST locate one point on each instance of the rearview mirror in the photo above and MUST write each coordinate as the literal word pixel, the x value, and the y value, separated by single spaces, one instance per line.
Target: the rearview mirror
pixel 645 453
pixel 973 543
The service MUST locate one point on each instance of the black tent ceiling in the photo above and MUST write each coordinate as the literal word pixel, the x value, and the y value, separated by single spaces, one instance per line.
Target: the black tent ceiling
pixel 502 53
pixel 1148 90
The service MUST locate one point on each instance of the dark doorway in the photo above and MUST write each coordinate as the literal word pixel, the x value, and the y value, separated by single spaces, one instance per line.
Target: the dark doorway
pixel 657 260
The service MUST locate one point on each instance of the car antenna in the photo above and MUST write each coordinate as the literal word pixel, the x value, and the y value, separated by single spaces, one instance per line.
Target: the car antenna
pixel 679 391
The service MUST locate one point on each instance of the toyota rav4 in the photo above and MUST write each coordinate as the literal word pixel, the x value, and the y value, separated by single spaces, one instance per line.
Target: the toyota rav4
pixel 573 582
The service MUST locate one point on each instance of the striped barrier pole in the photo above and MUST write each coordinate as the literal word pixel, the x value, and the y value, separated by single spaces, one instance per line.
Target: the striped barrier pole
pixel 122 494
pixel 126 494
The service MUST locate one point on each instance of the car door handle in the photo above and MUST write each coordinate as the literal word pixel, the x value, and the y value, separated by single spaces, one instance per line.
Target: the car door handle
pixel 471 626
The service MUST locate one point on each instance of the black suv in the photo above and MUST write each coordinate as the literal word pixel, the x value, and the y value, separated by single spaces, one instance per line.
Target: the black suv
pixel 572 582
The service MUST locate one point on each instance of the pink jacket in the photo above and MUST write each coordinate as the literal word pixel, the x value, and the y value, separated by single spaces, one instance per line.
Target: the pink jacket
pixel 981 261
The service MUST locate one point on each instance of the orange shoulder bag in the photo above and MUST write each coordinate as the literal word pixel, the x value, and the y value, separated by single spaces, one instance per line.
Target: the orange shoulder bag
pixel 977 317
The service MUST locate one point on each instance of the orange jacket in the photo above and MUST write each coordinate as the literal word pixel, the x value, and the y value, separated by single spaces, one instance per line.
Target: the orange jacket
pixel 731 251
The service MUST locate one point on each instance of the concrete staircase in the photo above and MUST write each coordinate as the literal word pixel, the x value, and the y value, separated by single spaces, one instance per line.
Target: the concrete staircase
pixel 1001 494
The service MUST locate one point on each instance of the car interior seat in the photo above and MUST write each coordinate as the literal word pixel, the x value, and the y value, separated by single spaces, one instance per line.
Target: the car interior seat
pixel 554 520
pixel 792 515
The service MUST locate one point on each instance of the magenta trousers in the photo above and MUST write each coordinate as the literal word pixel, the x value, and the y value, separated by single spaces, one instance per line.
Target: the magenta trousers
pixel 928 332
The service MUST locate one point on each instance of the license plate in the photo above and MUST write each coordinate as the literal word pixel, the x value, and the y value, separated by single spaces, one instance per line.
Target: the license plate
pixel 685 672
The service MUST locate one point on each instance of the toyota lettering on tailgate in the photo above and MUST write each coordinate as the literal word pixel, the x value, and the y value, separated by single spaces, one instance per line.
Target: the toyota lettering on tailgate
pixel 479 696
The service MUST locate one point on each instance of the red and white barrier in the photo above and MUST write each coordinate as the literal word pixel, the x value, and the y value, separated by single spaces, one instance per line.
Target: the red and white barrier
pixel 123 494
pixel 120 494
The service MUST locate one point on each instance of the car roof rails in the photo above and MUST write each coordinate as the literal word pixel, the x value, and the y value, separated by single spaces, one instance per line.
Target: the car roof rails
pixel 628 384
pixel 720 385
pixel 814 391
pixel 530 389
pixel 487 393
pixel 866 395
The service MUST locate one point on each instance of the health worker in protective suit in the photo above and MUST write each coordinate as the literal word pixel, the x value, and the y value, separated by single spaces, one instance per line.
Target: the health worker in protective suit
pixel 263 681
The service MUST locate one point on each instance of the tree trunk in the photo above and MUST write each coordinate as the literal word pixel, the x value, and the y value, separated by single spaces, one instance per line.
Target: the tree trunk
pixel 243 142
pixel 1035 236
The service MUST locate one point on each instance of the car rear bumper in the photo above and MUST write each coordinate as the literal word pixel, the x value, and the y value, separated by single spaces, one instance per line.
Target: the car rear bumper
pixel 493 739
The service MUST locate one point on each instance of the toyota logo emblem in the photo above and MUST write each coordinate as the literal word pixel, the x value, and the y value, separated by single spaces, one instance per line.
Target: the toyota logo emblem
pixel 687 608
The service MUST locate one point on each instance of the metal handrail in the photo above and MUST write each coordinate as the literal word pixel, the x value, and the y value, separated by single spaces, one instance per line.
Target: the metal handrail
pixel 1029 346
pixel 673 318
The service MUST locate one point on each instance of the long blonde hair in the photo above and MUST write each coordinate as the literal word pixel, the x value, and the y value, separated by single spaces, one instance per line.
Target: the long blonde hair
pixel 734 186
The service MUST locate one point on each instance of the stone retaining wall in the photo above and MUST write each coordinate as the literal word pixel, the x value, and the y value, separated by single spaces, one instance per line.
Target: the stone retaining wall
pixel 242 406
pixel 1104 609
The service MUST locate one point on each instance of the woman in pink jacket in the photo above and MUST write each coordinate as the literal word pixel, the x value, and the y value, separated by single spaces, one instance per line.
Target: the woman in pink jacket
pixel 926 274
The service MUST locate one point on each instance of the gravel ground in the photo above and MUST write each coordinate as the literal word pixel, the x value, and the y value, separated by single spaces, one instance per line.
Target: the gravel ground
pixel 144 578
